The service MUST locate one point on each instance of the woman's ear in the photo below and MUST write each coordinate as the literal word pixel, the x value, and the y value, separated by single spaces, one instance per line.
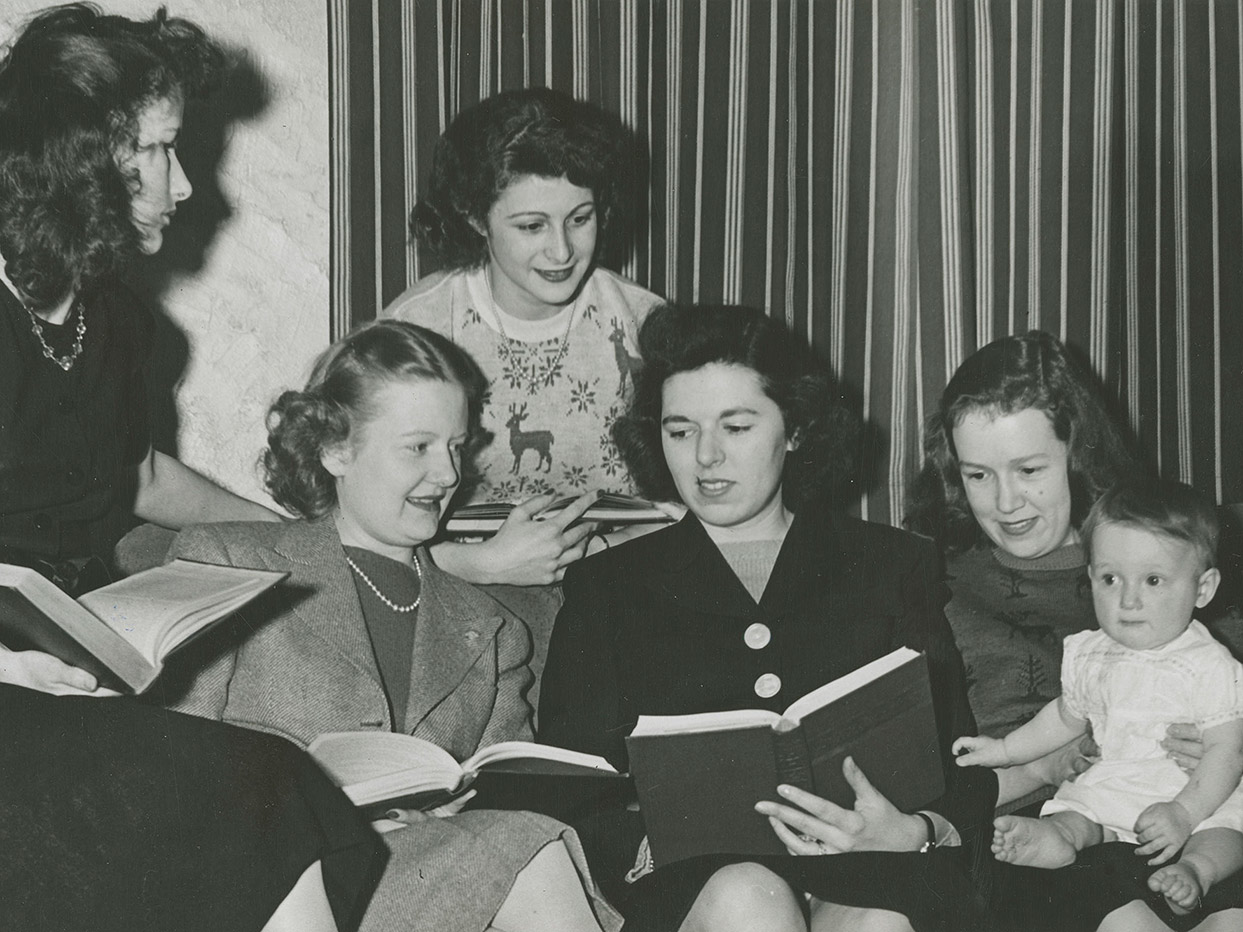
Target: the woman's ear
pixel 479 226
pixel 795 440
pixel 336 459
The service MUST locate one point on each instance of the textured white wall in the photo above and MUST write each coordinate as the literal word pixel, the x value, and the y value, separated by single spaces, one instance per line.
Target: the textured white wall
pixel 243 279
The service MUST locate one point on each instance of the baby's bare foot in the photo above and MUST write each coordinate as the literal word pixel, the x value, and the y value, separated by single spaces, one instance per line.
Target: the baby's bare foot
pixel 1180 884
pixel 1031 843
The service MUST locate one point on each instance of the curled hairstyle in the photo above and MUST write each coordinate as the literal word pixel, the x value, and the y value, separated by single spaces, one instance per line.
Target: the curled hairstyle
pixel 339 399
pixel 1005 377
pixel 1159 506
pixel 684 338
pixel 72 87
pixel 534 131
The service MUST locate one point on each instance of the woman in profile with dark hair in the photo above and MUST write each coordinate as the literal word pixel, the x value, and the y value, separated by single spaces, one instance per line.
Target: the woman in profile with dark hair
pixel 90 114
pixel 525 189
pixel 115 815
pixel 761 593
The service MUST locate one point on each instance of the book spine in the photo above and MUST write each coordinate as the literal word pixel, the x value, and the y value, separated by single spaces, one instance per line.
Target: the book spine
pixel 792 759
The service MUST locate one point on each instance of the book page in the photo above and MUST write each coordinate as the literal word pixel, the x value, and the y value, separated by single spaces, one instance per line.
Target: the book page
pixel 518 750
pixel 156 609
pixel 373 766
pixel 702 722
pixel 834 690
pixel 35 614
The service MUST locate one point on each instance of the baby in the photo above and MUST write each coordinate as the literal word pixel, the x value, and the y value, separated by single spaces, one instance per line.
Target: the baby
pixel 1150 552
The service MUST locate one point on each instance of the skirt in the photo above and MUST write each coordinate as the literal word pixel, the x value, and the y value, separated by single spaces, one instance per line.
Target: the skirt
pixel 115 815
pixel 453 874
pixel 934 890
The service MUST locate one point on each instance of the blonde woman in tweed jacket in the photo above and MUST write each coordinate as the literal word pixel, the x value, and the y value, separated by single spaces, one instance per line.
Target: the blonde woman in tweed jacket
pixel 368 634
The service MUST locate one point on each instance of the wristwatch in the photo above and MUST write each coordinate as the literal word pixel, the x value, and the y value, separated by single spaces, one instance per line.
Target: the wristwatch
pixel 932 833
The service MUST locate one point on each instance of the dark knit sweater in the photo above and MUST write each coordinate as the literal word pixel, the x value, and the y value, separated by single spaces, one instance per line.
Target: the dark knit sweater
pixel 1009 617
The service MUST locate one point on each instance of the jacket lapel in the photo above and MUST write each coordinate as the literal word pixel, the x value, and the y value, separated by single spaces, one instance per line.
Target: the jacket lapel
pixel 686 567
pixel 331 611
pixel 456 624
pixel 807 563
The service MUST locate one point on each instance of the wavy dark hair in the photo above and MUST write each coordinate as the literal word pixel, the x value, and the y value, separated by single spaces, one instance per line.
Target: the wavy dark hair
pixel 340 397
pixel 1158 506
pixel 533 131
pixel 1007 376
pixel 682 338
pixel 72 86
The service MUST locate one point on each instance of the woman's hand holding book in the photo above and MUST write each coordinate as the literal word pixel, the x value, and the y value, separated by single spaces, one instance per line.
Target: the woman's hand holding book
pixel 813 825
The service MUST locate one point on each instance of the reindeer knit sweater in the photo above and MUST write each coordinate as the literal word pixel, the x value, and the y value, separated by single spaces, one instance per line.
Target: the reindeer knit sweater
pixel 556 385
pixel 1009 617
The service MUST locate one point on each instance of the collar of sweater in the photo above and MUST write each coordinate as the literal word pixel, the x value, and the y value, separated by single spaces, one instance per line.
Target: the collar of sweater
pixel 1068 557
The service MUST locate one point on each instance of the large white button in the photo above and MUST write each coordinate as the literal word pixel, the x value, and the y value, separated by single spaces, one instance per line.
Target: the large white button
pixel 757 636
pixel 768 685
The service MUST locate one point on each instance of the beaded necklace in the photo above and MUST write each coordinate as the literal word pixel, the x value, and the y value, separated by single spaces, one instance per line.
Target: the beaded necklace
pixel 65 362
pixel 400 609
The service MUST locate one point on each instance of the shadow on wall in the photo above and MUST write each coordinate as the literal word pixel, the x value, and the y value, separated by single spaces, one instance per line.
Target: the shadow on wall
pixel 244 94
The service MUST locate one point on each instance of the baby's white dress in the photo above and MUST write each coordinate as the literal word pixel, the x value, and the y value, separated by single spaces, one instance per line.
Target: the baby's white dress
pixel 1130 697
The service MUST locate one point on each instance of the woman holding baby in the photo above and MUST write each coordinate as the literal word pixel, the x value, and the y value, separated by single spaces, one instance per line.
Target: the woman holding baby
pixel 1020 447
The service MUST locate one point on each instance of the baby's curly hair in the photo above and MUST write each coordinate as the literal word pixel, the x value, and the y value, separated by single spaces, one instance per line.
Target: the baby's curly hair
pixel 683 338
pixel 339 398
pixel 72 87
pixel 533 131
pixel 1007 376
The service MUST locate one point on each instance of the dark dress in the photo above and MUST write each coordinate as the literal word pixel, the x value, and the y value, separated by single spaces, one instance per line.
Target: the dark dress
pixel 659 624
pixel 69 441
pixel 114 814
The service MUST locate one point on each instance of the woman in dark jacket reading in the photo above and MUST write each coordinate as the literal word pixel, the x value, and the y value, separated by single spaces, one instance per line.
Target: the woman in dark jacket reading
pixel 759 595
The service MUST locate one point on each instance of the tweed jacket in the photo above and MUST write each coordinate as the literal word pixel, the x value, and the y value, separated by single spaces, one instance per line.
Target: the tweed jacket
pixel 303 663
pixel 667 628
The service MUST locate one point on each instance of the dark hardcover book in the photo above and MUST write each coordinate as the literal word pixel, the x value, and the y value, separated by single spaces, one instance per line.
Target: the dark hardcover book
pixel 698 777
pixel 123 632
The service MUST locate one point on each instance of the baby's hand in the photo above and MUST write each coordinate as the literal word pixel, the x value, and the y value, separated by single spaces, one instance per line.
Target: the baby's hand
pixel 1162 828
pixel 980 752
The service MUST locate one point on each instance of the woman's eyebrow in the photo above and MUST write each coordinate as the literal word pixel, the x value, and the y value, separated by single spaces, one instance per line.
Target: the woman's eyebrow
pixel 675 419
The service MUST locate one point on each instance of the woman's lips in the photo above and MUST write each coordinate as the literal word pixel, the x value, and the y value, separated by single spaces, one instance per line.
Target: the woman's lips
pixel 1017 528
pixel 427 504
pixel 556 277
pixel 713 488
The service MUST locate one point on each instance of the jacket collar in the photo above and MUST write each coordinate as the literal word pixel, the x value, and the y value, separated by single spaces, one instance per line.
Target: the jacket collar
pixel 330 608
pixel 456 622
pixel 685 564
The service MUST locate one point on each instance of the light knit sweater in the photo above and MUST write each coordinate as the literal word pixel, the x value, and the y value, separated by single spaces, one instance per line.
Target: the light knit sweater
pixel 555 385
pixel 752 562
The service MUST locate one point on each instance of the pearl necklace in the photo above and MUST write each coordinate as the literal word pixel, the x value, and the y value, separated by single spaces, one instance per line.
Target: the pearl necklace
pixel 65 362
pixel 400 609
pixel 507 350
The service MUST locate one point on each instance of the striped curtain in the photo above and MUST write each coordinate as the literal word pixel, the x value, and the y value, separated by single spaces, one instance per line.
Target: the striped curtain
pixel 900 180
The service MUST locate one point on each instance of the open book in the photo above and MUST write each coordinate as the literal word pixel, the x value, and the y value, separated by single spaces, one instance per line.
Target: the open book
pixel 698 777
pixel 378 768
pixel 609 508
pixel 123 632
